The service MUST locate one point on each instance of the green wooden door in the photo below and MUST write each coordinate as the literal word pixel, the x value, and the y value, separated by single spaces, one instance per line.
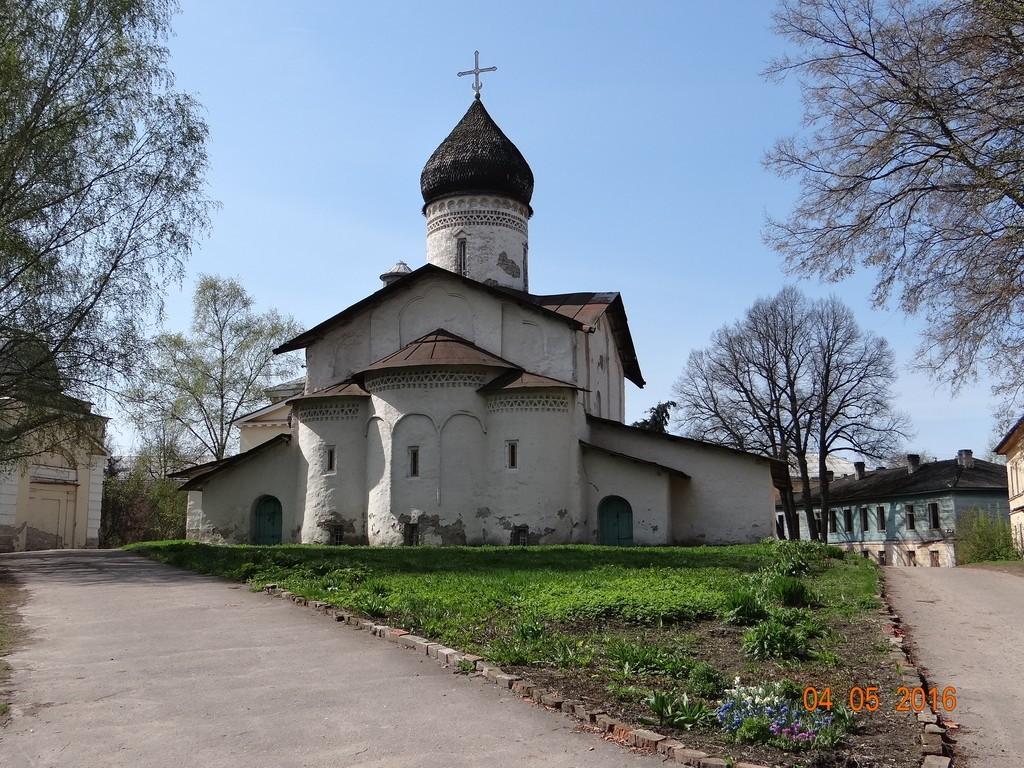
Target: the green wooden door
pixel 266 521
pixel 615 522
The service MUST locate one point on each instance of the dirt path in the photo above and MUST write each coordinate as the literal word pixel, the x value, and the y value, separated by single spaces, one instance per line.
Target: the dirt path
pixel 132 663
pixel 968 628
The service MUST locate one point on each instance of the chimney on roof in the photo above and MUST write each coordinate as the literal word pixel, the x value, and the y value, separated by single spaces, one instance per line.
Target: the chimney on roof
pixel 397 272
pixel 965 458
pixel 859 466
pixel 913 463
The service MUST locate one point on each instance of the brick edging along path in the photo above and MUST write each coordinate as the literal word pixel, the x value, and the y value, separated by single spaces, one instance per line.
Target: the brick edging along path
pixel 935 745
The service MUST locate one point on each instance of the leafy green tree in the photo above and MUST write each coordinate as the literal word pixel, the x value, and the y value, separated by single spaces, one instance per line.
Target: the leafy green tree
pixel 205 379
pixel 102 167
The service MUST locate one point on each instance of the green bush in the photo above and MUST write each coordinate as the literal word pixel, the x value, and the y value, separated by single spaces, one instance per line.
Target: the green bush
pixel 774 640
pixel 755 730
pixel 743 607
pixel 790 591
pixel 679 711
pixel 981 537
pixel 633 658
pixel 705 681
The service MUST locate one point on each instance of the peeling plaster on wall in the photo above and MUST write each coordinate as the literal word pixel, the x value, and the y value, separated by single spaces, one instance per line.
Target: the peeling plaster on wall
pixel 506 265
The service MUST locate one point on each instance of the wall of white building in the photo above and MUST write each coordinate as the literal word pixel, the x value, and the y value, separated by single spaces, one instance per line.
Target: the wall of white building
pixel 729 497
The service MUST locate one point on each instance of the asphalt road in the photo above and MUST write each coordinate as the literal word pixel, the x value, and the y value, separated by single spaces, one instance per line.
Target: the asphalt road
pixel 967 626
pixel 132 663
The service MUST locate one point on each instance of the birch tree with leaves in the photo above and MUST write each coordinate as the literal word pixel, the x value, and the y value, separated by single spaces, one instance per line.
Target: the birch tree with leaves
pixel 205 379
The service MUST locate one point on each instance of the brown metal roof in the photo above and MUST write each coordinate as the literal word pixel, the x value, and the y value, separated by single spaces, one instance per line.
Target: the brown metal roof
pixel 438 347
pixel 346 388
pixel 523 380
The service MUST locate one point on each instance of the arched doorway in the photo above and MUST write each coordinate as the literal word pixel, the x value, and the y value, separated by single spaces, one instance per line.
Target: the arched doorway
pixel 266 521
pixel 614 522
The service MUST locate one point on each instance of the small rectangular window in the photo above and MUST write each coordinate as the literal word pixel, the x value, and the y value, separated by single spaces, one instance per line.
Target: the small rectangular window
pixel 414 461
pixel 831 521
pixel 848 520
pixel 911 557
pixel 933 516
pixel 520 536
pixel 864 519
pixel 411 534
pixel 329 459
pixel 460 256
pixel 865 554
pixel 881 558
pixel 512 454
pixel 337 535
pixel 880 514
pixel 911 522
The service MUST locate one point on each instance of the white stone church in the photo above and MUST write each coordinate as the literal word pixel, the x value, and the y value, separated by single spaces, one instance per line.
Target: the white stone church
pixel 453 406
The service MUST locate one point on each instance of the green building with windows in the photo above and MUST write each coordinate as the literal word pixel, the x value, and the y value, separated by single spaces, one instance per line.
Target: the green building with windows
pixel 908 515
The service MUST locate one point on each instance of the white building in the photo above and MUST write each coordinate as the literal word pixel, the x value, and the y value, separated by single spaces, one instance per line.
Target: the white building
pixel 453 406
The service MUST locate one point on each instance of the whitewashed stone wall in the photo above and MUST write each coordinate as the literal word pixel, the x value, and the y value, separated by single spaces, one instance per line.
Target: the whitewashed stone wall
pixel 333 497
pixel 224 511
pixel 542 493
pixel 537 343
pixel 496 233
pixel 646 488
pixel 729 498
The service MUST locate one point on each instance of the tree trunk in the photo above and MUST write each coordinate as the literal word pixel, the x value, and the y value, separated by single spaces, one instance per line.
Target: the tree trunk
pixel 790 514
pixel 805 478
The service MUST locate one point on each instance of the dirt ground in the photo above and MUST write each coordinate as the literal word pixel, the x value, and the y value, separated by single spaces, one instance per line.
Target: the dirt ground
pixel 966 627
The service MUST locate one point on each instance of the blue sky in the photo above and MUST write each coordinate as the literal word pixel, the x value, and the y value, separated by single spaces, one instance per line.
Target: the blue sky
pixel 644 123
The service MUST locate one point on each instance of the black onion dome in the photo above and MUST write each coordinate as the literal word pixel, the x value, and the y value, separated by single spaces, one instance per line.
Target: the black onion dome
pixel 477 157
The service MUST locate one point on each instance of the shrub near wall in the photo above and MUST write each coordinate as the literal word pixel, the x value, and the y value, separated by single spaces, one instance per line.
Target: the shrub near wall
pixel 982 537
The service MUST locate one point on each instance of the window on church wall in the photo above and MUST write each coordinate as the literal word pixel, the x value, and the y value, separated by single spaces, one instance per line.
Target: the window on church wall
pixel 414 461
pixel 848 520
pixel 933 516
pixel 520 536
pixel 832 521
pixel 460 256
pixel 512 454
pixel 864 519
pixel 880 515
pixel 330 453
pixel 337 535
pixel 526 273
pixel 411 534
pixel 911 520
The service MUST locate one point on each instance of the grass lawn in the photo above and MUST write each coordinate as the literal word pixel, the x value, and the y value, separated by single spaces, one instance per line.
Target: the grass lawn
pixel 653 635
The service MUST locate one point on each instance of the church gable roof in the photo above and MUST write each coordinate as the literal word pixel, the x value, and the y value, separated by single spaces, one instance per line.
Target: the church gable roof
pixel 307 337
pixel 581 311
pixel 196 477
pixel 588 308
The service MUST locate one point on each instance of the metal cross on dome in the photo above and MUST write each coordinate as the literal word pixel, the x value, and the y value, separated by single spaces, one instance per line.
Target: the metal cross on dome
pixel 475 72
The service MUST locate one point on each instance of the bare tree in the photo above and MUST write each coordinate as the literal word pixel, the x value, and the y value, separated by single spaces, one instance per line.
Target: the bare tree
pixel 798 381
pixel 101 192
pixel 852 375
pixel 206 379
pixel 912 165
